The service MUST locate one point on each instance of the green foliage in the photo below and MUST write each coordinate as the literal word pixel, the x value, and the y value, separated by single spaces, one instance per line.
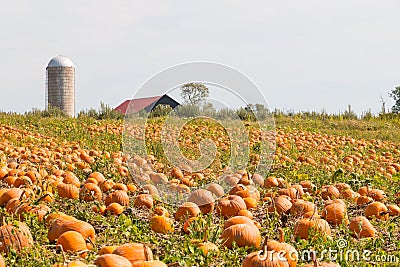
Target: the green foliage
pixel 104 112
pixel 395 94
pixel 160 111
pixel 51 111
pixel 194 93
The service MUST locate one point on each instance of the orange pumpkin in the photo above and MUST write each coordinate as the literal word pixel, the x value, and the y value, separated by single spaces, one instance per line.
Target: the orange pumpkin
pixel 216 189
pixel 119 196
pixel 230 206
pixel 335 214
pixel 144 200
pixel 10 194
pixel 68 191
pixel 300 207
pixel 149 263
pixel 114 209
pixel 72 241
pixel 161 224
pixel 90 192
pixel 242 234
pixel 246 213
pixel 187 210
pixel 238 220
pixel 110 260
pixel 361 227
pixel 134 252
pixel 15 236
pixel 204 199
pixel 303 226
pixel 107 250
pixel 378 210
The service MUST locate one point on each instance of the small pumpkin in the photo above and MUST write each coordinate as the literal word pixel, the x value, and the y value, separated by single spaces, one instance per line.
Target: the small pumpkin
pixel 271 182
pixel 71 178
pixel 111 260
pixel 15 236
pixel 187 210
pixel 98 176
pixel 90 192
pixel 238 220
pixel 161 224
pixel 69 191
pixel 394 210
pixel 114 209
pixel 134 252
pixel 72 241
pixel 204 199
pixel 250 202
pixel 107 250
pixel 330 192
pixel 216 189
pixel 177 173
pixel 10 194
pixel 242 234
pixel 144 201
pixel 230 206
pixel 207 247
pixel 361 227
pixel 246 213
pixel 82 227
pixel 159 210
pixel 364 200
pixel 149 263
pixel 281 205
pixel 240 190
pixel 303 226
pixel 118 196
pixel 335 214
pixel 377 194
pixel 158 178
pixel 258 179
pixel 378 210
pixel 300 207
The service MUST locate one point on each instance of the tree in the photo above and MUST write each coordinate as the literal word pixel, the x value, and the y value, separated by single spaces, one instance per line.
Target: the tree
pixel 395 94
pixel 194 93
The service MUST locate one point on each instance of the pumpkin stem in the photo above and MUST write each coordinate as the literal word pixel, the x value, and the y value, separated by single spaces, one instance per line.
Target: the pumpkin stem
pixel 41 198
pixel 265 245
pixel 146 254
pixel 281 235
pixel 315 212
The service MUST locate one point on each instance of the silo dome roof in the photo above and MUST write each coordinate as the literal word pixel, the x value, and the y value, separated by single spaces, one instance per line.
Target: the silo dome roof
pixel 60 61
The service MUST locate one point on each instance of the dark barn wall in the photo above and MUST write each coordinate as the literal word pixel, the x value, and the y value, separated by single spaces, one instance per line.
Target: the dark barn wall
pixel 164 100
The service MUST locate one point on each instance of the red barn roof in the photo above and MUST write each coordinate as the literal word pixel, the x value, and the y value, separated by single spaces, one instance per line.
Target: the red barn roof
pixel 136 104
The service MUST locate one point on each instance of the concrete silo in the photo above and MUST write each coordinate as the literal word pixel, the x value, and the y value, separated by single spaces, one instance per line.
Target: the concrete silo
pixel 60 84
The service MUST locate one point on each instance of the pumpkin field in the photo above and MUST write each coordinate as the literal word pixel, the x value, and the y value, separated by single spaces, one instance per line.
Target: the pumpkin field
pixel 71 196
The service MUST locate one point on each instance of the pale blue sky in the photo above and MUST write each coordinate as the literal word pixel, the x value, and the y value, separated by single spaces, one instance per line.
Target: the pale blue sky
pixel 304 55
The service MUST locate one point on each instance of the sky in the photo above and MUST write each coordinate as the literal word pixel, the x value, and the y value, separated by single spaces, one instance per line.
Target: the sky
pixel 303 55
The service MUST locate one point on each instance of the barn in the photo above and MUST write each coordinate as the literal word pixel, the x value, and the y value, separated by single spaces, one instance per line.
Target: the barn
pixel 147 103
